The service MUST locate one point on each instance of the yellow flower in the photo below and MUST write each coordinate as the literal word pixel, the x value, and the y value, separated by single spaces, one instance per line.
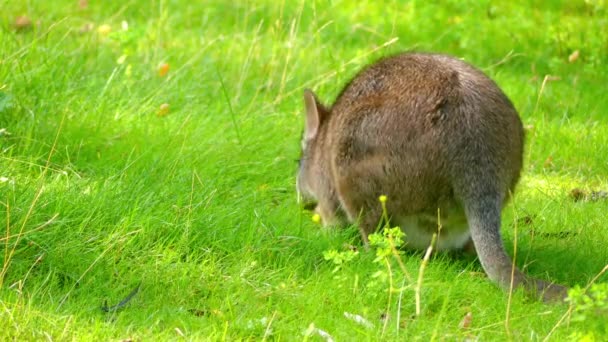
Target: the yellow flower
pixel 316 218
pixel 104 29
pixel 382 198
pixel 163 110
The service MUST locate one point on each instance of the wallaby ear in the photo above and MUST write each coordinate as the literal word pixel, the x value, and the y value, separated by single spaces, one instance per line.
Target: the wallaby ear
pixel 314 111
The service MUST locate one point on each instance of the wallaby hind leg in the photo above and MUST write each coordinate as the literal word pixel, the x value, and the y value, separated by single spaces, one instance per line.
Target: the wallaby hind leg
pixel 483 215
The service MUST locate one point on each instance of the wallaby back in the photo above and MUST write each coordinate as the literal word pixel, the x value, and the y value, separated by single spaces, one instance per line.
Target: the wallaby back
pixel 431 133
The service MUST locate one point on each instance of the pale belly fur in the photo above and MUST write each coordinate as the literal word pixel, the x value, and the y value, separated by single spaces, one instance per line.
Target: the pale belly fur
pixel 454 232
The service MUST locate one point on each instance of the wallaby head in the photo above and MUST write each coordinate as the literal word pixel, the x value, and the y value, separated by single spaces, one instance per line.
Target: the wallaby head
pixel 313 182
pixel 433 134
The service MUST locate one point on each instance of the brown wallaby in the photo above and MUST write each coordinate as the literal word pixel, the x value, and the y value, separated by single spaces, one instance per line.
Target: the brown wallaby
pixel 433 134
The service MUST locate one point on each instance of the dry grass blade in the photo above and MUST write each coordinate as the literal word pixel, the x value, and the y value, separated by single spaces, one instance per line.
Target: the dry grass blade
pixel 425 261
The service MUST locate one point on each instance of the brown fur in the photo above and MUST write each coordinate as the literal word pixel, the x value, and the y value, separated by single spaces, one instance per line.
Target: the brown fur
pixel 430 132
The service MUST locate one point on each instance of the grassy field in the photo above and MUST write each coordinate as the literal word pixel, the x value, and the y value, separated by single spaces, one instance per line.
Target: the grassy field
pixel 116 173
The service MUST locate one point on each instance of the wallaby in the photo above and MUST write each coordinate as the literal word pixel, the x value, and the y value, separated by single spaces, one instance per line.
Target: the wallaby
pixel 435 135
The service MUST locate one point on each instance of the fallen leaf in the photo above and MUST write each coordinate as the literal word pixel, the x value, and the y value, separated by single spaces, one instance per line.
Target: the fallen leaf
pixel 83 4
pixel 577 194
pixel 163 69
pixel 22 23
pixel 466 321
pixel 573 56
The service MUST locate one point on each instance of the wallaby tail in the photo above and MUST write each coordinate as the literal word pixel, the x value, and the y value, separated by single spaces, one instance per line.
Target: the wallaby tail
pixel 483 215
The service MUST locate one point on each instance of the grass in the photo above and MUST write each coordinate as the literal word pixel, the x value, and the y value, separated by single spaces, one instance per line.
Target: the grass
pixel 100 193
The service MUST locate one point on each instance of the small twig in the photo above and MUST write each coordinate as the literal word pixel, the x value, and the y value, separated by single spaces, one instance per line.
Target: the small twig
pixel 547 78
pixel 425 261
pixel 114 308
pixel 505 59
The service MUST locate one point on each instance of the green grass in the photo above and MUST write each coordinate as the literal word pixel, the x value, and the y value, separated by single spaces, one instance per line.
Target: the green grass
pixel 100 194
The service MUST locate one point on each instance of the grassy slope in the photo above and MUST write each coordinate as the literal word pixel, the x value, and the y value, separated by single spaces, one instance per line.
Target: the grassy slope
pixel 199 205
